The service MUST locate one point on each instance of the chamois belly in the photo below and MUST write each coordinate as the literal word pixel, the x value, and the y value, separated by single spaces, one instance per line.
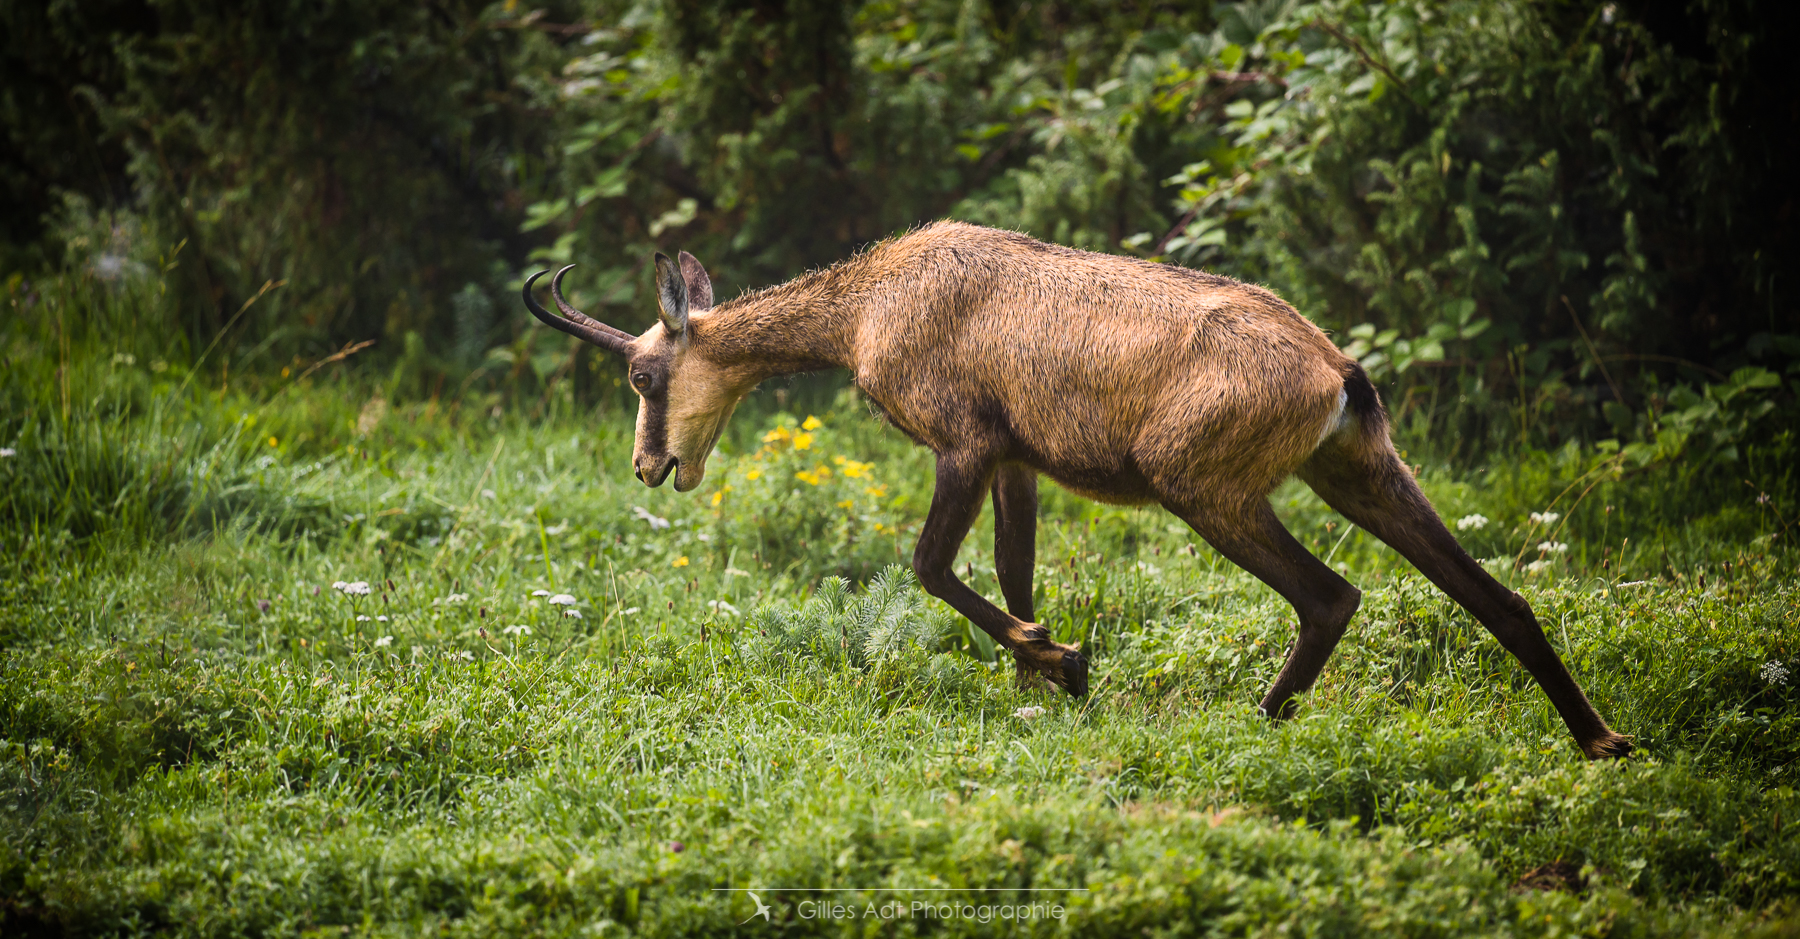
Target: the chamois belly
pixel 1127 486
pixel 1091 458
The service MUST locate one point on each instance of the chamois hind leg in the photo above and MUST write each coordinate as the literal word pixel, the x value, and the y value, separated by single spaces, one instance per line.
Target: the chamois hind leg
pixel 1372 488
pixel 1015 549
pixel 961 483
pixel 1253 538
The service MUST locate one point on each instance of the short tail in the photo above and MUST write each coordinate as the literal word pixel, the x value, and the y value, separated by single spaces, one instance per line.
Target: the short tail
pixel 1362 401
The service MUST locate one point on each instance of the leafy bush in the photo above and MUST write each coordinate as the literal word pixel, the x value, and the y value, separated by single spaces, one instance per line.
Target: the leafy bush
pixel 801 505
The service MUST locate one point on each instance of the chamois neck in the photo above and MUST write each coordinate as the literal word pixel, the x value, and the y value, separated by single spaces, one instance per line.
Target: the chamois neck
pixel 805 325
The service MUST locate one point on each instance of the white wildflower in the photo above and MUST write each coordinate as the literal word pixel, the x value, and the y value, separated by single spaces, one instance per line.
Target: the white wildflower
pixel 1477 522
pixel 456 598
pixel 338 585
pixel 1632 583
pixel 381 619
pixel 519 630
pixel 1774 673
pixel 1552 547
pixel 362 619
pixel 629 611
pixel 541 593
pixel 384 641
pixel 488 494
pixel 465 655
pixel 1545 518
pixel 734 572
pixel 655 521
pixel 557 529
pixel 562 599
pixel 1536 567
pixel 356 588
pixel 7 453
pixel 720 606
pixel 1029 712
pixel 572 614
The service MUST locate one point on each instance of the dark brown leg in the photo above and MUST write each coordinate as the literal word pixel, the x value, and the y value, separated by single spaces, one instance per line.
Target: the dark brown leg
pixel 1253 539
pixel 1385 500
pixel 1015 548
pixel 961 484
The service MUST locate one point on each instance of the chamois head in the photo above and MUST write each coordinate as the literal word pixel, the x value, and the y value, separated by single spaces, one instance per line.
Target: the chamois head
pixel 684 397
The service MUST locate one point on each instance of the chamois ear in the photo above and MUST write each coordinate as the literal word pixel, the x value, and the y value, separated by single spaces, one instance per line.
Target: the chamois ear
pixel 699 285
pixel 671 296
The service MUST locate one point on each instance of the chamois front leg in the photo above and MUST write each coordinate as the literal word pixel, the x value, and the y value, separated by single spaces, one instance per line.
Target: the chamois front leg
pixel 961 484
pixel 1015 549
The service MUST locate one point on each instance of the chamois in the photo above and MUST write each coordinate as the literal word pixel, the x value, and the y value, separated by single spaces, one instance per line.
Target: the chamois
pixel 1125 381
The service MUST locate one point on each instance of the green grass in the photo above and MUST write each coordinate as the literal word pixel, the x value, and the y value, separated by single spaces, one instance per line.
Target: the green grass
pixel 199 736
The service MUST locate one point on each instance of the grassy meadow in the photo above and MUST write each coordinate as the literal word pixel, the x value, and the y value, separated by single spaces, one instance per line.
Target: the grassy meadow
pixel 310 653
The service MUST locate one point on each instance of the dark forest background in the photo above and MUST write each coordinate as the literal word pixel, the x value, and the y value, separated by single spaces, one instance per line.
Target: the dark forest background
pixel 1538 223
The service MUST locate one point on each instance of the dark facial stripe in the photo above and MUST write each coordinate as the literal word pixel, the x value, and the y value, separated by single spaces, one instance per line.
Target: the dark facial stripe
pixel 656 432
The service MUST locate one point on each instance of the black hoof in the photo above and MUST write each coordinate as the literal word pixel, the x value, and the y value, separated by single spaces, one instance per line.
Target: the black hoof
pixel 1074 669
pixel 1610 747
pixel 1286 711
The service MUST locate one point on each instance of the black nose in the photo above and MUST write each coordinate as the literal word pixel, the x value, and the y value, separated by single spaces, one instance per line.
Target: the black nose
pixel 639 473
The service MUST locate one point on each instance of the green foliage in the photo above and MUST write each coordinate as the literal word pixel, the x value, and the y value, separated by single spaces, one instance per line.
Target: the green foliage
pixel 360 153
pixel 1707 425
pixel 768 502
pixel 834 628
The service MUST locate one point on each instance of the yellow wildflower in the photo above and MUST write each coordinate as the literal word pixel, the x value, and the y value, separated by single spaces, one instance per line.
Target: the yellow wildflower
pixel 778 434
pixel 838 460
pixel 802 441
pixel 856 470
pixel 717 498
pixel 876 491
pixel 847 504
pixel 811 423
pixel 753 474
pixel 680 561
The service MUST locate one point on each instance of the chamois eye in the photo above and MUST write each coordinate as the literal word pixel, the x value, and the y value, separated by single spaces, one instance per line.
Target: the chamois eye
pixel 641 380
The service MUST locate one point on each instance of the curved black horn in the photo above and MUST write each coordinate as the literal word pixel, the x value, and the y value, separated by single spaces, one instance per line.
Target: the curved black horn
pixel 574 322
pixel 578 316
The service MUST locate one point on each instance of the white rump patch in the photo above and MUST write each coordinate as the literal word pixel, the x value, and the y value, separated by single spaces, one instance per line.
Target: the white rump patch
pixel 1339 419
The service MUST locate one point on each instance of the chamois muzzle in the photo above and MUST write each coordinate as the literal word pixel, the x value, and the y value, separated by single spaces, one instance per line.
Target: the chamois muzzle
pixel 657 474
pixel 573 321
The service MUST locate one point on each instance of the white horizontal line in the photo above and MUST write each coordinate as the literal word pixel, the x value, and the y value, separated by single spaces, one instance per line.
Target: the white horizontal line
pixel 904 889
